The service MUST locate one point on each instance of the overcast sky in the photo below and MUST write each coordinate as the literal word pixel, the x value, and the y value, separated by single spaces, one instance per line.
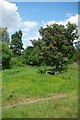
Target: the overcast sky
pixel 30 16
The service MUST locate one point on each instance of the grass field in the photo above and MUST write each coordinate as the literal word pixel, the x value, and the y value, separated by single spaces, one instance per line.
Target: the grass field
pixel 29 94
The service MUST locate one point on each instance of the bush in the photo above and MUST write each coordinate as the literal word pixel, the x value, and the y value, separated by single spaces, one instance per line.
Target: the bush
pixel 29 56
pixel 15 62
pixel 0 55
pixel 44 68
pixel 41 69
pixel 6 56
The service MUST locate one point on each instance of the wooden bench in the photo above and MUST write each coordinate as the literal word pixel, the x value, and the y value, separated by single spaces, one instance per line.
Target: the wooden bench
pixel 52 72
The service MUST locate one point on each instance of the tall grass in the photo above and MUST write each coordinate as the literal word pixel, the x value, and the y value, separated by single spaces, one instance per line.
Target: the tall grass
pixel 25 82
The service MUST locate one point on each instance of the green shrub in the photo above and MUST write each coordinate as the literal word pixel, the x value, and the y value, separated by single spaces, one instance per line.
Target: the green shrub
pixel 29 56
pixel 0 55
pixel 42 69
pixel 6 56
pixel 15 62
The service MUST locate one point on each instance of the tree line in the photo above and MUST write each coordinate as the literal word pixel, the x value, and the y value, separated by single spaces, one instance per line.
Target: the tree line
pixel 54 48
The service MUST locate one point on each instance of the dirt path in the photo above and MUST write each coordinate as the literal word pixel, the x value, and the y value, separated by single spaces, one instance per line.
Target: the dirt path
pixel 31 101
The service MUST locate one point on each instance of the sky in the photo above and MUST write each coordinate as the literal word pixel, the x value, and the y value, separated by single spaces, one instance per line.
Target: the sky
pixel 30 16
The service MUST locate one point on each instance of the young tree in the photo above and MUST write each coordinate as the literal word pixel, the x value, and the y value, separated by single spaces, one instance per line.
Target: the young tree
pixel 56 46
pixel 16 43
pixel 5 52
pixel 6 55
pixel 4 35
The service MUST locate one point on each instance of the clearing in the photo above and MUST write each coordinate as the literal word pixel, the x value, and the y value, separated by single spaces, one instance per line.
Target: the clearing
pixel 29 94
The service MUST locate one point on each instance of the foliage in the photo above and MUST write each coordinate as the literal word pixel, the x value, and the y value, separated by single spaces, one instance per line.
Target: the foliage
pixel 42 69
pixel 16 43
pixel 55 48
pixel 29 56
pixel 4 35
pixel 15 62
pixel 0 54
pixel 6 55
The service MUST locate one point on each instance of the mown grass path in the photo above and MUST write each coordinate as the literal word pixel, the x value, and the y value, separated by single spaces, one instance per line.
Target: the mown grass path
pixel 30 101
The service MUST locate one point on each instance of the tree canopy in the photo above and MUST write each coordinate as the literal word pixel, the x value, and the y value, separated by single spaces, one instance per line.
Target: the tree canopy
pixel 5 52
pixel 55 48
pixel 16 43
pixel 4 35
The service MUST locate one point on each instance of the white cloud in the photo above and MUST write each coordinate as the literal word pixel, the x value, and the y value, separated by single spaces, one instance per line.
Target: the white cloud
pixel 26 42
pixel 69 14
pixel 28 25
pixel 27 39
pixel 72 19
pixel 36 36
pixel 10 16
pixel 27 28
